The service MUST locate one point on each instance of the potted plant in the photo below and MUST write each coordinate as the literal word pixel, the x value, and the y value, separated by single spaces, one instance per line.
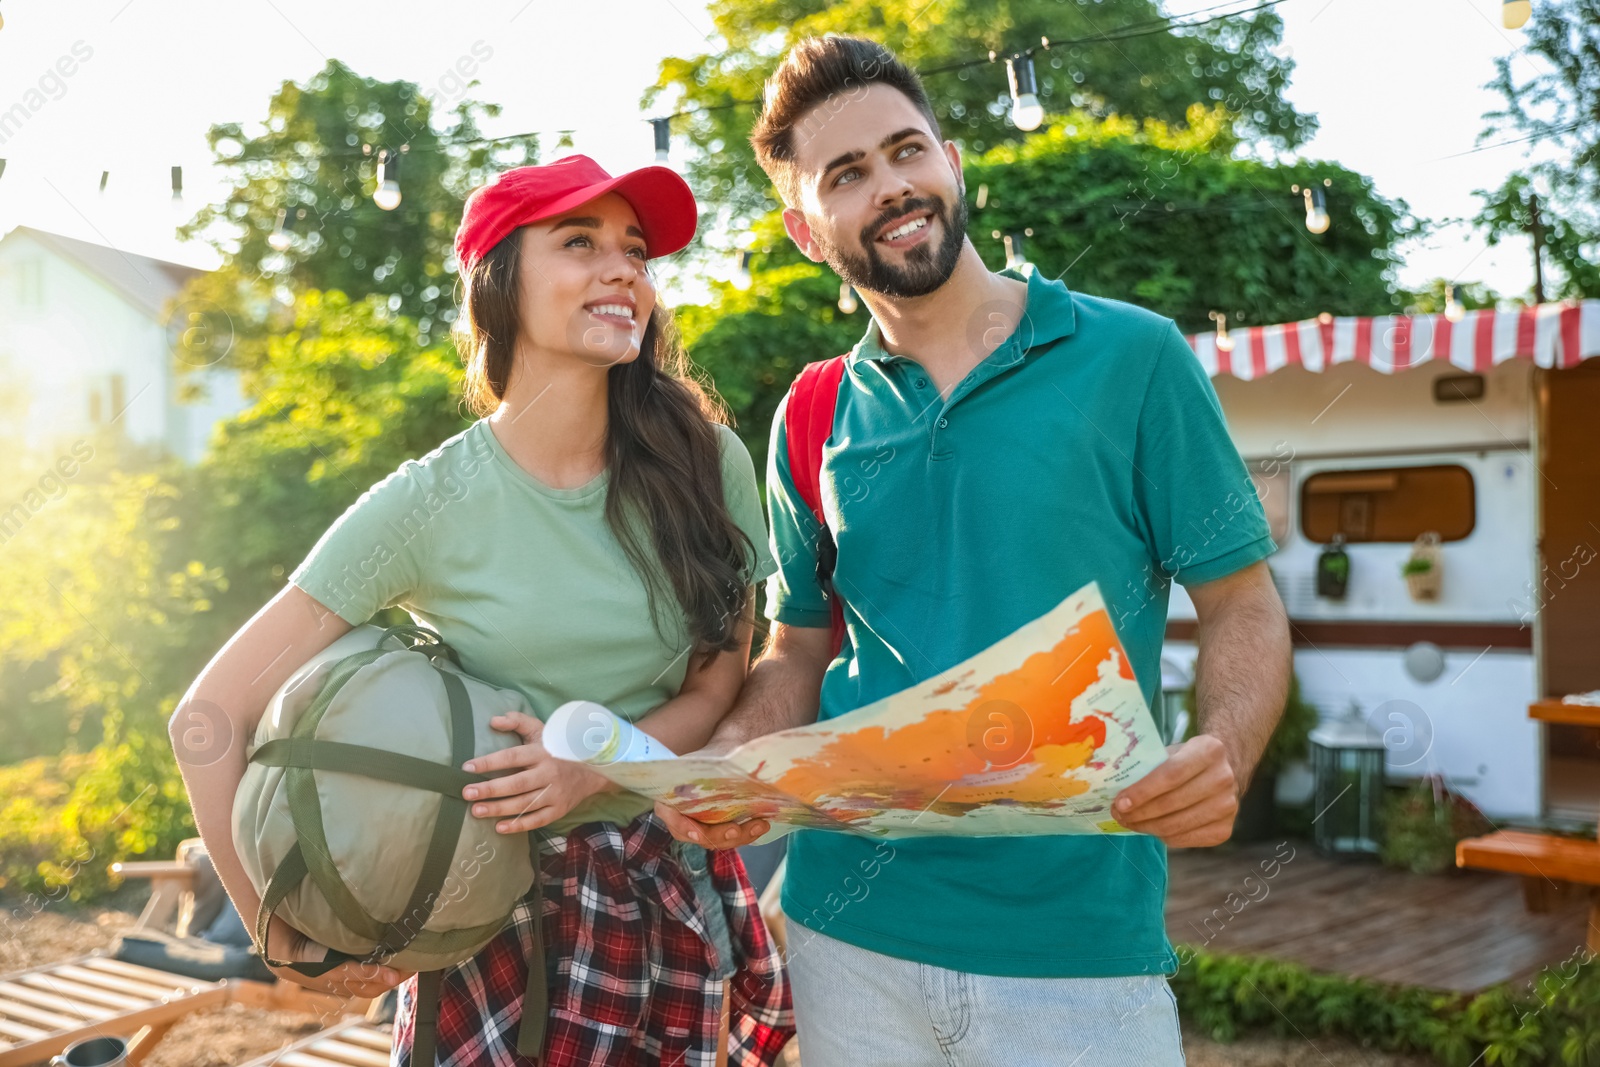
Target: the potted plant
pixel 1257 819
pixel 1423 822
pixel 1422 570
pixel 1333 569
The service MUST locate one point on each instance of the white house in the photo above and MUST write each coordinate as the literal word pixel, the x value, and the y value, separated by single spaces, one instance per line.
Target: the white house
pixel 90 340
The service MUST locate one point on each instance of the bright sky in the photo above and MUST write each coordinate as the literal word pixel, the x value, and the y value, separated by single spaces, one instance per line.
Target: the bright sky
pixel 1398 89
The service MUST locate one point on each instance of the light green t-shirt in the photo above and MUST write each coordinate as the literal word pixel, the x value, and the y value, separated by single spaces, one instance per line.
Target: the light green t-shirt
pixel 526 582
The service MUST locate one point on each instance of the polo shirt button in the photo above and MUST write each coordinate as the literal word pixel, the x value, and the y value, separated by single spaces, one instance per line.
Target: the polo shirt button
pixel 921 382
pixel 943 422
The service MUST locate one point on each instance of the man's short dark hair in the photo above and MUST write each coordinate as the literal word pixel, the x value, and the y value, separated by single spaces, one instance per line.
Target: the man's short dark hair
pixel 815 70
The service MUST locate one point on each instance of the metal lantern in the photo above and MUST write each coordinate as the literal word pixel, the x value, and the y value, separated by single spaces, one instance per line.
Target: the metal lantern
pixel 1347 760
pixel 1333 570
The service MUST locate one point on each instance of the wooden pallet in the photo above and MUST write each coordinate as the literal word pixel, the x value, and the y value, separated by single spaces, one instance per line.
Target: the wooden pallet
pixel 45 1009
pixel 352 1042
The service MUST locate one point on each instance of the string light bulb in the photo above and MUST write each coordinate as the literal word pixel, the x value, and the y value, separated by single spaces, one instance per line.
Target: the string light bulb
pixel 1016 257
pixel 742 278
pixel 1514 14
pixel 177 183
pixel 1316 209
pixel 282 235
pixel 847 298
pixel 1453 309
pixel 387 195
pixel 1026 111
pixel 1224 338
pixel 663 134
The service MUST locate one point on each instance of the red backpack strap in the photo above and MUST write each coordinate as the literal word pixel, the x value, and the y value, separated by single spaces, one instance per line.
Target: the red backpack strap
pixel 807 422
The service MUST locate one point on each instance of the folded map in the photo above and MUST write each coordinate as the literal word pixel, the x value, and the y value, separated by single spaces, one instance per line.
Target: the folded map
pixel 1036 734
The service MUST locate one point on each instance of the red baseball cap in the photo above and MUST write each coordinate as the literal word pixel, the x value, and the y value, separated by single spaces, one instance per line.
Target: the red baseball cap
pixel 662 200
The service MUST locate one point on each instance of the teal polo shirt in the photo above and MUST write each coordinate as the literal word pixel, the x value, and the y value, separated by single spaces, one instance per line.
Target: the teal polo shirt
pixel 1089 446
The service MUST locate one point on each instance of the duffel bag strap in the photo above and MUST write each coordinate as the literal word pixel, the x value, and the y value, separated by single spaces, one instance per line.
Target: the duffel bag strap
pixel 421 639
pixel 536 997
pixel 301 754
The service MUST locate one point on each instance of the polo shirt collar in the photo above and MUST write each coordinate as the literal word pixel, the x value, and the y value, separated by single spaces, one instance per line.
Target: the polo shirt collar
pixel 1048 317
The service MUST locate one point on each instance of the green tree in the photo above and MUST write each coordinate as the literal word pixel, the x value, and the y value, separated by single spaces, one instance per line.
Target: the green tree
pixel 102 595
pixel 1163 217
pixel 129 582
pixel 344 396
pixel 1556 200
pixel 752 343
pixel 99 599
pixel 316 154
pixel 1145 70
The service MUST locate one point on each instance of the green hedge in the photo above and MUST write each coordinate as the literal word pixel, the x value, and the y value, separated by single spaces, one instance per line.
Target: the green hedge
pixel 1555 1021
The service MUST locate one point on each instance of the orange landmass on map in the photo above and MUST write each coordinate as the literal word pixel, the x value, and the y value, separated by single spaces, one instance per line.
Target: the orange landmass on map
pixel 944 762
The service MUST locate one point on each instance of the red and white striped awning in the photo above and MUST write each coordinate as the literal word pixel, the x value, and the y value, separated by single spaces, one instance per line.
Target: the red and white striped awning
pixel 1552 335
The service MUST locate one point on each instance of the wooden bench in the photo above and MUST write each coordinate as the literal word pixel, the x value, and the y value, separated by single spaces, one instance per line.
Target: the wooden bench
pixel 1543 861
pixel 46 1008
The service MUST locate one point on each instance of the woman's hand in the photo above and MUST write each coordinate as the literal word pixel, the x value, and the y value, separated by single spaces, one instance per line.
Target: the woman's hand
pixel 541 790
pixel 362 981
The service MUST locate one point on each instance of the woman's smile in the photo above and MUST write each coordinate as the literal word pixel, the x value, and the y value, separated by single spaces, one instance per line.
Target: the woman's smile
pixel 619 311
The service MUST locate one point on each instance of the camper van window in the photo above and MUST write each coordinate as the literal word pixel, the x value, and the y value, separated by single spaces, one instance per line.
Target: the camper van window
pixel 1389 504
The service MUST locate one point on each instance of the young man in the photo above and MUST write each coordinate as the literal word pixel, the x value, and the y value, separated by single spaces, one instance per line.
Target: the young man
pixel 998 442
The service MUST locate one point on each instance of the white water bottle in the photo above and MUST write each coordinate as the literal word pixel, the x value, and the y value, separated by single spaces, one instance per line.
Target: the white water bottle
pixel 586 732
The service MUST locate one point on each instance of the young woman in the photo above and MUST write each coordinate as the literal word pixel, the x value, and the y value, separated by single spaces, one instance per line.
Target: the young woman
pixel 596 534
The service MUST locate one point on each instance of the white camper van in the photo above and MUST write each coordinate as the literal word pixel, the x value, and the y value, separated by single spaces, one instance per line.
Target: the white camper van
pixel 1485 430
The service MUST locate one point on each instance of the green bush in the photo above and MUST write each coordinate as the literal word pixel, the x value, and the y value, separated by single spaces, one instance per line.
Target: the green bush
pixel 1554 1022
pixel 67 819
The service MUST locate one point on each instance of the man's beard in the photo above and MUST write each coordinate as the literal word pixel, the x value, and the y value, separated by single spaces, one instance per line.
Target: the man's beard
pixel 926 268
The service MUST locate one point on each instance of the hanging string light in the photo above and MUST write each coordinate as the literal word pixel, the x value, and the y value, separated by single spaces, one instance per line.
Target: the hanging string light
pixel 847 298
pixel 105 176
pixel 1514 14
pixel 663 133
pixel 1316 206
pixel 387 195
pixel 1453 309
pixel 1026 111
pixel 1224 338
pixel 282 235
pixel 742 278
pixel 1015 256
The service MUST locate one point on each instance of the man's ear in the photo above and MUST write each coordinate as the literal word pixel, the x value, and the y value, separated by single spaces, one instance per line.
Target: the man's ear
pixel 799 231
pixel 952 153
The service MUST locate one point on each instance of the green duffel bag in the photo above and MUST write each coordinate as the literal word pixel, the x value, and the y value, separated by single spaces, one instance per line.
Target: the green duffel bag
pixel 351 824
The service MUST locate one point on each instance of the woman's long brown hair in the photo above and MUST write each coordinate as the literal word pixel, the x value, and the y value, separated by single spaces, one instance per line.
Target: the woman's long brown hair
pixel 662 454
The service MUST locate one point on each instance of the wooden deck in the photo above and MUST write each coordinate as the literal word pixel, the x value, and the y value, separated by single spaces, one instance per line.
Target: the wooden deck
pixel 1462 931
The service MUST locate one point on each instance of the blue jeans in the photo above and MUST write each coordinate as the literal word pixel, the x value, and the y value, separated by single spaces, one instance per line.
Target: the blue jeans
pixel 858 1008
